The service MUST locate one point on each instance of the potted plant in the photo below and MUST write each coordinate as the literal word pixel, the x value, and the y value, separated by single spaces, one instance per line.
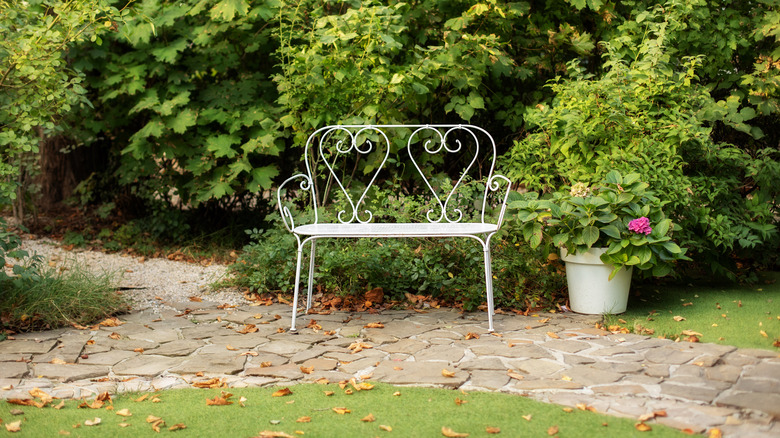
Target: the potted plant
pixel 603 232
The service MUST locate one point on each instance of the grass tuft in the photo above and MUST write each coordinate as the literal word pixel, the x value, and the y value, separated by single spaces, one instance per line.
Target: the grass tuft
pixel 58 297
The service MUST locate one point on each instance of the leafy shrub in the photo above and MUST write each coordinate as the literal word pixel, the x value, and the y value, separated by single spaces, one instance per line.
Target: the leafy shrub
pixel 448 269
pixel 649 116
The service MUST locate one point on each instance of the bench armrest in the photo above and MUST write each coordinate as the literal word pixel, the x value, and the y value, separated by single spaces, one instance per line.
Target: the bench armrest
pixel 494 185
pixel 287 217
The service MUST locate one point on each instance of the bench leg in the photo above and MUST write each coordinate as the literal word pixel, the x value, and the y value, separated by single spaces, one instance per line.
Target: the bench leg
pixel 489 285
pixel 311 276
pixel 297 287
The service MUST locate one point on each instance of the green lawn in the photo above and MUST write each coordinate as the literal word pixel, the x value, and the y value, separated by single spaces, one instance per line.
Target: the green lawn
pixel 743 316
pixel 401 412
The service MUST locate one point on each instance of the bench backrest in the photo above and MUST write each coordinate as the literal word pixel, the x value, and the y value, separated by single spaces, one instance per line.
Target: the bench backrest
pixel 344 163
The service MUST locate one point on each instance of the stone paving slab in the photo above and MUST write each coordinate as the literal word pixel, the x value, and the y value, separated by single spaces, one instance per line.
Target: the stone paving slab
pixel 555 358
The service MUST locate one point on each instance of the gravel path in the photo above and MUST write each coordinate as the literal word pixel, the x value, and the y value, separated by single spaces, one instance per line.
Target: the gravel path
pixel 149 283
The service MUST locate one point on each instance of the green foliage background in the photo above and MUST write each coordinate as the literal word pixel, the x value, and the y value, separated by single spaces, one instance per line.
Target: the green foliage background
pixel 205 104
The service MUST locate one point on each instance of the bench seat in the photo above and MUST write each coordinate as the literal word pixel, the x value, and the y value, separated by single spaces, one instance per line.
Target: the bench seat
pixel 395 230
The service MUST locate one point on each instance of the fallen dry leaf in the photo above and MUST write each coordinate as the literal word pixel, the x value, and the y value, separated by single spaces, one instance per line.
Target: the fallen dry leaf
pixel 357 347
pixel 763 333
pixel 446 373
pixel 115 336
pixel 124 412
pixel 231 348
pixel 273 434
pixel 368 418
pixel 691 333
pixel 552 430
pixel 449 433
pixel 265 364
pixel 527 417
pixel 241 401
pixel 397 394
pixel 306 370
pixel 16 426
pixel 492 430
pixel 678 318
pixel 329 393
pixel 93 422
pixel 177 426
pixel 124 424
pixel 341 411
pixel 282 392
pixel 553 335
pixel 218 401
pixel 471 335
pixel 374 325
pixel 152 419
pixel 138 350
pixel 60 405
pixel 386 428
pixel 248 328
pixel 211 383
pixel 568 410
pixel 515 376
pixel 58 361
pixel 715 433
pixel 642 427
pixel 157 424
pixel 196 299
pixel 303 420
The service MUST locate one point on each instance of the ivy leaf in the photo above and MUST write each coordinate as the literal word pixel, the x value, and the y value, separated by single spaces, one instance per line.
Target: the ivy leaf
pixel 168 52
pixel 182 121
pixel 226 10
pixel 262 178
pixel 180 99
pixel 221 145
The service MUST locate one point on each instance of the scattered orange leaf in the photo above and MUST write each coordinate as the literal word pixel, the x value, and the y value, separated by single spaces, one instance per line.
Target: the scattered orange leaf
pixel 552 430
pixel 115 336
pixel 459 402
pixel 16 426
pixel 374 325
pixel 715 433
pixel 471 335
pixel 341 411
pixel 447 373
pixel 303 420
pixel 368 418
pixel 306 370
pixel 492 430
pixel 282 392
pixel 642 427
pixel 248 328
pixel 196 299
pixel 553 335
pixel 218 401
pixel 449 433
pixel 527 417
pixel 177 426
pixel 124 412
pixel 273 434
pixel 212 383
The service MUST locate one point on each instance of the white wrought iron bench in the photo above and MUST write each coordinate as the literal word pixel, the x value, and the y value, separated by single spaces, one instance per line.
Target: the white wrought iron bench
pixel 331 156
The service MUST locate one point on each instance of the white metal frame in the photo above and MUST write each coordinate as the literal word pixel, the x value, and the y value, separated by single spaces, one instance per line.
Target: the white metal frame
pixel 445 224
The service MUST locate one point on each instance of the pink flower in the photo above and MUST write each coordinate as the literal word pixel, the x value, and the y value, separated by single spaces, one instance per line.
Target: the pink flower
pixel 640 226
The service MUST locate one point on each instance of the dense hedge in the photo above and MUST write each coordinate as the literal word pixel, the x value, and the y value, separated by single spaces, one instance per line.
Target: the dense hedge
pixel 204 104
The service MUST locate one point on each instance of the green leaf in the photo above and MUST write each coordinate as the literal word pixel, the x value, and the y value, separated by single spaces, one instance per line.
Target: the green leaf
pixel 221 145
pixel 611 231
pixel 661 228
pixel 226 10
pixel 590 235
pixel 560 239
pixel 672 247
pixel 262 178
pixel 613 177
pixel 182 121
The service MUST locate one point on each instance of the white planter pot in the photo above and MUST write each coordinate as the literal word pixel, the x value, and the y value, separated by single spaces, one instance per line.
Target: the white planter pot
pixel 590 289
